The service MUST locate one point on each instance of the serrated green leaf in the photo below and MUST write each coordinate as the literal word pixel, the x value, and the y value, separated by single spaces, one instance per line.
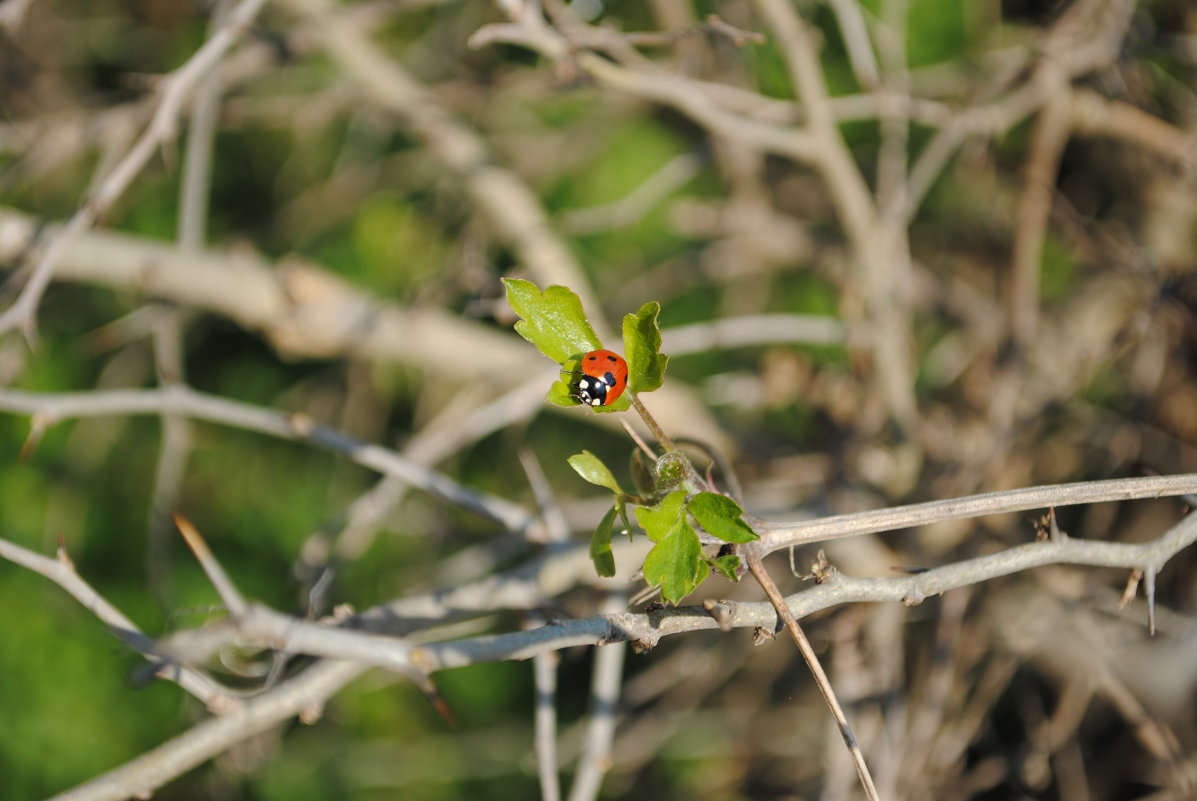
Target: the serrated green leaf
pixel 642 349
pixel 720 516
pixel 553 321
pixel 591 468
pixel 676 564
pixel 659 520
pixel 600 546
pixel 727 566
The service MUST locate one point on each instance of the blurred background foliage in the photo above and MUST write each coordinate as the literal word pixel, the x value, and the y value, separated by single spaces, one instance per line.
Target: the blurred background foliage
pixel 303 168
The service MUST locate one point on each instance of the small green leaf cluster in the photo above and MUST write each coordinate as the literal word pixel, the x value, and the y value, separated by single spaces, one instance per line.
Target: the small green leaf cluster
pixel 555 323
pixel 671 494
pixel 677 562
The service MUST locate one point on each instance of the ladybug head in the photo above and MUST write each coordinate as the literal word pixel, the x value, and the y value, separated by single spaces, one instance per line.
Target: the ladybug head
pixel 592 391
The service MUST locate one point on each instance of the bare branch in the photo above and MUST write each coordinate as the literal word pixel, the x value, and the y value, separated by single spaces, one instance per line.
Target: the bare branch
pixel 505 200
pixel 605 684
pixel 544 668
pixel 265 628
pixel 786 615
pixel 757 329
pixel 182 400
pixel 220 580
pixel 176 91
pixel 303 695
pixel 778 536
pixel 62 572
pixel 308 690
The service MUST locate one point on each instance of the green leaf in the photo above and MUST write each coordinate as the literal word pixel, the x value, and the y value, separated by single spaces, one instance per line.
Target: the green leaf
pixel 644 474
pixel 642 346
pixel 621 405
pixel 659 520
pixel 600 546
pixel 727 566
pixel 676 564
pixel 622 505
pixel 720 516
pixel 558 395
pixel 591 468
pixel 553 321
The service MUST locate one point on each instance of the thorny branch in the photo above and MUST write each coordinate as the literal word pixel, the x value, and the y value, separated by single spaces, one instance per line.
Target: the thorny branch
pixel 257 625
pixel 308 312
pixel 176 91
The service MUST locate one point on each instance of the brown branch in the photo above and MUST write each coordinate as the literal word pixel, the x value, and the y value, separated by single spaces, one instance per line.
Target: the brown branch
pixel 778 601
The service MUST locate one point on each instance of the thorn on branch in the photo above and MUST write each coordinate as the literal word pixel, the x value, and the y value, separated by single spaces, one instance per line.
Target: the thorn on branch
pixel 224 586
pixel 1132 587
pixel 37 428
pixel 62 555
pixel 1149 591
pixel 312 713
pixel 720 612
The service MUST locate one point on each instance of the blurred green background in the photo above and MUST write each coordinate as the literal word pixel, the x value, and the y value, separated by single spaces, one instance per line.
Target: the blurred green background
pixel 302 167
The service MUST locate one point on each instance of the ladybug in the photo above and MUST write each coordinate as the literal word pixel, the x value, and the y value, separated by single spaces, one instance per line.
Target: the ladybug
pixel 603 378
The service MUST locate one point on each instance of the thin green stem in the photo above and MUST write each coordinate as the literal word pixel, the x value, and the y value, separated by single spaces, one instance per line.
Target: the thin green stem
pixel 652 424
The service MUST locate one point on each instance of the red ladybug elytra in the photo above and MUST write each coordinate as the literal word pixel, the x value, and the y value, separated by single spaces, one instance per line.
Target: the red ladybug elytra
pixel 604 377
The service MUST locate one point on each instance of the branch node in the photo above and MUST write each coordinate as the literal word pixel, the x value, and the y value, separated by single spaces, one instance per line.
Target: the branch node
pixel 720 611
pixel 421 660
pixel 62 555
pixel 643 645
pixel 311 713
pixel 762 635
pixel 302 424
pixel 342 612
pixel 821 570
pixel 1047 529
